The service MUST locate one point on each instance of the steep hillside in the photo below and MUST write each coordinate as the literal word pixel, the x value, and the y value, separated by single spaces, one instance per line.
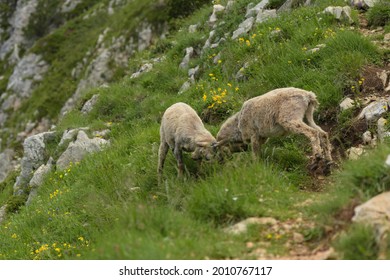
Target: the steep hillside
pixel 83 87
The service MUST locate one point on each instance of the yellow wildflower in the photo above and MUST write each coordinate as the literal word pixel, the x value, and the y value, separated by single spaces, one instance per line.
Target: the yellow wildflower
pixel 204 97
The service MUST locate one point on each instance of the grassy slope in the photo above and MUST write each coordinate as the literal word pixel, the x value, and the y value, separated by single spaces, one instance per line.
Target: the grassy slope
pixel 109 206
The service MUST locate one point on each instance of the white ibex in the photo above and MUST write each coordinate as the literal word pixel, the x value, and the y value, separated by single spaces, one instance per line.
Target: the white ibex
pixel 182 130
pixel 276 113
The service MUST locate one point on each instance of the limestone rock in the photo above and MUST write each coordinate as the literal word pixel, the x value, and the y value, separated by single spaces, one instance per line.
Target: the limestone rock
pixel 78 149
pixel 192 28
pixel 242 226
pixel 193 73
pixel 5 163
pixel 243 28
pixel 374 110
pixel 3 118
pixel 18 22
pixel 209 40
pixel 69 5
pixel 216 45
pixel 69 134
pixel 347 103
pixel 3 213
pixel 37 179
pixel 88 106
pixel 33 157
pixel 386 38
pixel 145 35
pixel 316 49
pixel 147 67
pixel 369 139
pixel 186 86
pixel 186 60
pixel 376 213
pixel 216 10
pixel 229 6
pixel 40 173
pixel 97 65
pixel 287 6
pixel 340 13
pixel 354 153
pixel 363 4
pixel 28 71
pixel 264 15
pixel 387 162
pixel 254 11
pixel 384 76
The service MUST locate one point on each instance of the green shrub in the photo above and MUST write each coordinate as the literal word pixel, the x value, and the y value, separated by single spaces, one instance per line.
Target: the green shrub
pixel 275 4
pixel 183 8
pixel 379 14
pixel 15 202
pixel 358 243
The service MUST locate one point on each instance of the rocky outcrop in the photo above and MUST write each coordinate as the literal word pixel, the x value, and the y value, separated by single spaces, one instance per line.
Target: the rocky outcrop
pixel 29 69
pixel 217 9
pixel 347 103
pixel 28 72
pixel 37 179
pixel 88 106
pixel 18 22
pixel 186 59
pixel 374 110
pixel 70 5
pixel 362 4
pixel 33 157
pixel 97 65
pixel 340 13
pixel 3 213
pixel 6 163
pixel 78 149
pixel 376 213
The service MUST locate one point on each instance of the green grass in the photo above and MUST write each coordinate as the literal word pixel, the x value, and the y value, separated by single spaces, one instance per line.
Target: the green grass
pixel 358 244
pixel 379 14
pixel 110 206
